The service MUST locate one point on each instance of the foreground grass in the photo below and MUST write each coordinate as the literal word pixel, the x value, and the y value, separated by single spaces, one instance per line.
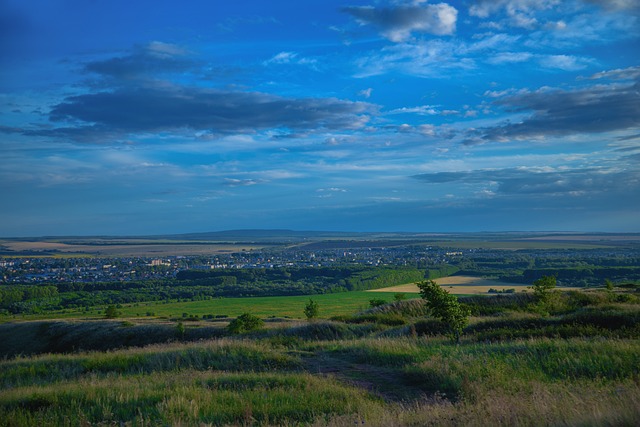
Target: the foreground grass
pixel 574 364
pixel 241 382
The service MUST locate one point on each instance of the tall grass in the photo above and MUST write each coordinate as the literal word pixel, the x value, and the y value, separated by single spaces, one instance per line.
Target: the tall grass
pixel 221 355
pixel 511 368
pixel 191 398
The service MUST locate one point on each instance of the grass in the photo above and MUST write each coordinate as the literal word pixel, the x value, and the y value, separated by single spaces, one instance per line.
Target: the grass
pixel 388 365
pixel 330 305
pixel 388 381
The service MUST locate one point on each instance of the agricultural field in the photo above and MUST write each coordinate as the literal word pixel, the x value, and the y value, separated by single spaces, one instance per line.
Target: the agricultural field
pixel 123 248
pixel 461 285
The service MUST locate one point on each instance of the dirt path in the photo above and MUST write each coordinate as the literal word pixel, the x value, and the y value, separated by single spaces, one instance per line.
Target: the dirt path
pixel 378 380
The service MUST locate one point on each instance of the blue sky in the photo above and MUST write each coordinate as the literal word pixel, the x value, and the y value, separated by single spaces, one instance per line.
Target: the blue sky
pixel 153 117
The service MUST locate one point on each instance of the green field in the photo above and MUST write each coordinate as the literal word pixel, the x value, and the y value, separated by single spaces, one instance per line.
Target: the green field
pixel 337 304
pixel 289 306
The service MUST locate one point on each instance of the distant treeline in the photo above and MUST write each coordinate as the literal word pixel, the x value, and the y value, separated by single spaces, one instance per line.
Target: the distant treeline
pixel 204 284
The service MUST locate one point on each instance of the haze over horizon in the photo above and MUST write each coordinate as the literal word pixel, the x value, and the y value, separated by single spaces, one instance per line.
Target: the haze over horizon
pixel 147 118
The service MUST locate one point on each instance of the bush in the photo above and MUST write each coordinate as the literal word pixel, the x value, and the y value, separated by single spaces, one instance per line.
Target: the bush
pixel 311 309
pixel 444 306
pixel 245 323
pixel 111 312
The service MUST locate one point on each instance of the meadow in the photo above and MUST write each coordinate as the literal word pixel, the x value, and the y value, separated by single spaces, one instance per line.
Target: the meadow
pixel 568 360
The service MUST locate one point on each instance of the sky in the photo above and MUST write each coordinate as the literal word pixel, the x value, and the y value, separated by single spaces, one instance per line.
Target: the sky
pixel 156 117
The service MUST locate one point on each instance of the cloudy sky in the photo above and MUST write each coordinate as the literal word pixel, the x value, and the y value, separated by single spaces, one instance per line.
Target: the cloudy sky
pixel 145 117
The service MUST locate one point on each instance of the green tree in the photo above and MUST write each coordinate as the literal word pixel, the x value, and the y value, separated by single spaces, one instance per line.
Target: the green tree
pixel 446 307
pixel 180 330
pixel 311 310
pixel 543 286
pixel 608 284
pixel 549 301
pixel 111 312
pixel 244 323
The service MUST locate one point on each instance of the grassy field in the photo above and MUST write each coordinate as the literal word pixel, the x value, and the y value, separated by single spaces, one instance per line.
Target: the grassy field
pixel 338 304
pixel 124 247
pixel 575 366
pixel 290 306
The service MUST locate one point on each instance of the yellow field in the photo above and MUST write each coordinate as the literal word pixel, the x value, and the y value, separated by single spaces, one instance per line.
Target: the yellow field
pixel 461 285
pixel 133 247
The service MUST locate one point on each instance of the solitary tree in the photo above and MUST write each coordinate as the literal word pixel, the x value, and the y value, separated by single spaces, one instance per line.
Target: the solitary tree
pixel 446 307
pixel 311 310
pixel 543 286
pixel 111 312
pixel 180 330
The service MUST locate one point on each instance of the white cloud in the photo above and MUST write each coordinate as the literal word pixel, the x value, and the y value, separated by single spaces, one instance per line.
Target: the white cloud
pixel 564 62
pixel 423 110
pixel 365 93
pixel 630 73
pixel 289 58
pixel 509 57
pixel 519 13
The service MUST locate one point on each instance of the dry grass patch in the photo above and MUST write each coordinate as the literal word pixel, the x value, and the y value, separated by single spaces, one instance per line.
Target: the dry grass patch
pixel 460 285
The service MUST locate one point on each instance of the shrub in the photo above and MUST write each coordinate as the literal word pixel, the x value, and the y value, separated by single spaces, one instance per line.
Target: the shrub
pixel 180 330
pixel 244 323
pixel 376 302
pixel 111 312
pixel 311 309
pixel 444 306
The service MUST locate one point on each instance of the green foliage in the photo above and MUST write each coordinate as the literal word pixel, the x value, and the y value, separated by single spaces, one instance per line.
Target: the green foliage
pixel 445 307
pixel 311 309
pixel 389 319
pixel 543 286
pixel 608 284
pixel 111 312
pixel 376 302
pixel 443 270
pixel 399 296
pixel 245 323
pixel 180 330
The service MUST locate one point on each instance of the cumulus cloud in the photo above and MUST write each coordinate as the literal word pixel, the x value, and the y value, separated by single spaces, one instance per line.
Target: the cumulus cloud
pixel 599 108
pixel 397 23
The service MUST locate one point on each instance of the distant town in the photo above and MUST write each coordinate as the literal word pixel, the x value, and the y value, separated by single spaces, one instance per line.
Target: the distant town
pixel 487 261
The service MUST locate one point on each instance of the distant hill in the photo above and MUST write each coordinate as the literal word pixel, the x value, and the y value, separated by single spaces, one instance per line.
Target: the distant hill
pixel 278 235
